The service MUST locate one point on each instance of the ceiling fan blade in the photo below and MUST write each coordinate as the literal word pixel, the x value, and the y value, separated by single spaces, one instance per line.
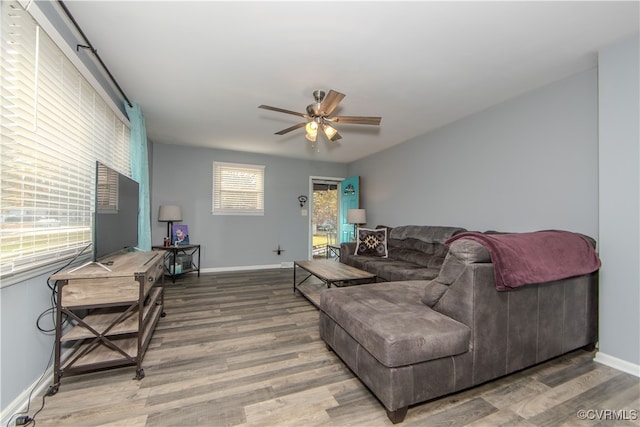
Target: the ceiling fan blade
pixel 282 110
pixel 330 102
pixel 287 130
pixel 357 120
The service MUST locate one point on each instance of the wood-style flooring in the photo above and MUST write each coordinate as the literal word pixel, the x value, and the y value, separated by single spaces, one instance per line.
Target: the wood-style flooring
pixel 241 349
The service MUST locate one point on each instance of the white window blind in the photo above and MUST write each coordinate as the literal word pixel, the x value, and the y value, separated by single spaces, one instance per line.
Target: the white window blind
pixel 238 189
pixel 54 127
pixel 107 190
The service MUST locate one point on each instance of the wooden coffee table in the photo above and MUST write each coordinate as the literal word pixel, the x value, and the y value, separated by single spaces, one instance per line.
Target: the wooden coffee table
pixel 331 273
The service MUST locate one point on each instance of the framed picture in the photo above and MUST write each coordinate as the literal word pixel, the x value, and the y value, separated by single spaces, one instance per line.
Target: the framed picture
pixel 180 234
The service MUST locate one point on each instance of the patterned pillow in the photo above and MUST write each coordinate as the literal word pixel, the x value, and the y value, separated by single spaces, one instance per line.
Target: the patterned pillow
pixel 372 242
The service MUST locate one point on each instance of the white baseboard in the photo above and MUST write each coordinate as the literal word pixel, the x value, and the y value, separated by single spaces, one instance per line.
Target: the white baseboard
pixel 619 364
pixel 247 267
pixel 19 404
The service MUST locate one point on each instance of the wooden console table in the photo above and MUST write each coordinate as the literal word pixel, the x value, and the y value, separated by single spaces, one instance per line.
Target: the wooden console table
pixel 114 306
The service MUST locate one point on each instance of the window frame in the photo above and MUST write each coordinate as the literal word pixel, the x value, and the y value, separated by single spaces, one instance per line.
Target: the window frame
pixel 219 191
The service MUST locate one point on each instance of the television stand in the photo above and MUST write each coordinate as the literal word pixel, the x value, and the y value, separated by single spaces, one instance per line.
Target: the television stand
pixel 114 312
pixel 99 264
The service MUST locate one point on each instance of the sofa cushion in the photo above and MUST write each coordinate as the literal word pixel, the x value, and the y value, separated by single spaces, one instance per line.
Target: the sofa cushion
pixel 371 242
pixel 394 270
pixel 391 322
pixel 430 255
pixel 422 245
pixel 388 269
pixel 425 233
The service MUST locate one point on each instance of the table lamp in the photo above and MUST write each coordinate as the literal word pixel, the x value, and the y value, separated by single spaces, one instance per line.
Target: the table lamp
pixel 169 214
pixel 356 217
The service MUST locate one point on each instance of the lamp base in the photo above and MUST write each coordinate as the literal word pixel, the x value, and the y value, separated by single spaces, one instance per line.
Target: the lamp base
pixel 169 225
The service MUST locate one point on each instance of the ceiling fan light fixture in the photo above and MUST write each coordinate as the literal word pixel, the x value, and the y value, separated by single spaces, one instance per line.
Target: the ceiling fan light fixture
pixel 329 130
pixel 311 127
pixel 311 136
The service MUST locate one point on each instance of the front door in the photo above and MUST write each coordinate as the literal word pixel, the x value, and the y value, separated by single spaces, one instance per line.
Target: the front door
pixel 324 217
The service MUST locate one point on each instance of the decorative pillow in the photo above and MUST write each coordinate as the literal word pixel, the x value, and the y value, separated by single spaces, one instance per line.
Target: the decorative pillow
pixel 371 242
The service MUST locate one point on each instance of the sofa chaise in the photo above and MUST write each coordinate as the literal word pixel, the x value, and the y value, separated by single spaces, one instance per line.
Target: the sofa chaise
pixel 410 341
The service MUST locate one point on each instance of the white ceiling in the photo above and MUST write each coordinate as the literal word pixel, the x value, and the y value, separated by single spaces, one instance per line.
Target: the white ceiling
pixel 200 69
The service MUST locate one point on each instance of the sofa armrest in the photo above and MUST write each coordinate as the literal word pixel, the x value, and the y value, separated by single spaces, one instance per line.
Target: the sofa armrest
pixel 462 253
pixel 347 248
pixel 469 251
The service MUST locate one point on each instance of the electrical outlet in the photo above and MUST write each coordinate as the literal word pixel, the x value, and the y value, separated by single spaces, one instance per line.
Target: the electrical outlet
pixel 23 420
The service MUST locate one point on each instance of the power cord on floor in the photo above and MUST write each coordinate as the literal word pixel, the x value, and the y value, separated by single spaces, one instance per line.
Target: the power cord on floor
pixel 21 418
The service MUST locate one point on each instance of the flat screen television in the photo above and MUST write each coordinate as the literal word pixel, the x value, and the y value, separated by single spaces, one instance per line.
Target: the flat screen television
pixel 115 225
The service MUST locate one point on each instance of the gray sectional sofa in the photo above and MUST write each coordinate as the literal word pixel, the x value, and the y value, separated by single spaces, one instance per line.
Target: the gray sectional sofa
pixel 415 252
pixel 410 341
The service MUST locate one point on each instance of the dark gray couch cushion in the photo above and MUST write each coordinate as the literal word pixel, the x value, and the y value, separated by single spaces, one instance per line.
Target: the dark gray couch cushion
pixel 390 269
pixel 426 233
pixel 393 324
pixel 422 245
pixel 416 252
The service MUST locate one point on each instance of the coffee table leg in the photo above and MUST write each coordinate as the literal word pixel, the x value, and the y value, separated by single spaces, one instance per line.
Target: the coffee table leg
pixel 294 278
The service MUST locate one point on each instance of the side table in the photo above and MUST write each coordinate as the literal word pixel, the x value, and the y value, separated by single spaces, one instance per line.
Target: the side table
pixel 180 259
pixel 333 251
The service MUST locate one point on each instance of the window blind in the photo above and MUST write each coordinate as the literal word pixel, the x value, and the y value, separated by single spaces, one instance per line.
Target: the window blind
pixel 107 190
pixel 54 127
pixel 238 189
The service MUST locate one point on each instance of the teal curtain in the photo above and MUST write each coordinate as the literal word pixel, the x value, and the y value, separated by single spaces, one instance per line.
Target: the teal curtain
pixel 140 172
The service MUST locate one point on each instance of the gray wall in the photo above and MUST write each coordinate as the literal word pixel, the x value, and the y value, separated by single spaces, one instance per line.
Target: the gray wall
pixel 183 176
pixel 527 164
pixel 25 351
pixel 620 202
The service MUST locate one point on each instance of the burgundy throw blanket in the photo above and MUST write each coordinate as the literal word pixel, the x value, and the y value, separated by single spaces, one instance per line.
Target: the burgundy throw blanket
pixel 542 256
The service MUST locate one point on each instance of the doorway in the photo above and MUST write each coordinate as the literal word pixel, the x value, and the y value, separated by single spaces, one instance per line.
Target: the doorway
pixel 325 217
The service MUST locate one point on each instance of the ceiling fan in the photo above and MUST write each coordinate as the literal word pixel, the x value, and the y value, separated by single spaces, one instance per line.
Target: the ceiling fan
pixel 319 116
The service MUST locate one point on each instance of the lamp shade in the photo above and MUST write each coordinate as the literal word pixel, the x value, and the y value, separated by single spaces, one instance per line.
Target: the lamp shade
pixel 170 213
pixel 356 216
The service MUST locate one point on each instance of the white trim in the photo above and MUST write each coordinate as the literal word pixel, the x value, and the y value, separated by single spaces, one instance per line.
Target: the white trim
pixel 310 209
pixel 246 267
pixel 19 404
pixel 616 363
pixel 218 188
pixel 36 13
pixel 24 275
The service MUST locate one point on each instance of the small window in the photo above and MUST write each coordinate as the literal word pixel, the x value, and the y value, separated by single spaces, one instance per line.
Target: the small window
pixel 238 189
